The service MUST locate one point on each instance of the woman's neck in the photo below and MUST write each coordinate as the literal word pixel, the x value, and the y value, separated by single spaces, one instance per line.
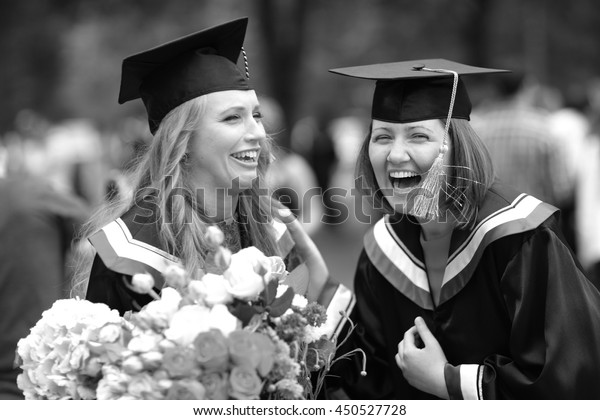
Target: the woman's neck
pixel 217 204
pixel 434 229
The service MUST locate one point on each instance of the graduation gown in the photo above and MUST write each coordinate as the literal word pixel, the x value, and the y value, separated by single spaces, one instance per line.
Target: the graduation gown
pixel 516 318
pixel 130 245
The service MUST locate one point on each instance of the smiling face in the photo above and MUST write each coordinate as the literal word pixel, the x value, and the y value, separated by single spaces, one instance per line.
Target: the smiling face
pixel 401 154
pixel 228 140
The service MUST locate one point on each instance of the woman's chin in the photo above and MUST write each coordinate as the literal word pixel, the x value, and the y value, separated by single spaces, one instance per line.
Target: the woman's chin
pixel 246 181
pixel 398 204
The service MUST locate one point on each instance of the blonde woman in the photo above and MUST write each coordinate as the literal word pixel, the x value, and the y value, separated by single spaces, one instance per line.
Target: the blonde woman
pixel 204 167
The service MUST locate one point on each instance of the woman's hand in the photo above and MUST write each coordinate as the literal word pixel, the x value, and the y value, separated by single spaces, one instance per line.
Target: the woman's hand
pixel 422 360
pixel 317 269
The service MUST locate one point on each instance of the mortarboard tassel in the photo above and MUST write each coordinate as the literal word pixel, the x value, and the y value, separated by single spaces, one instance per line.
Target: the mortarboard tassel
pixel 426 203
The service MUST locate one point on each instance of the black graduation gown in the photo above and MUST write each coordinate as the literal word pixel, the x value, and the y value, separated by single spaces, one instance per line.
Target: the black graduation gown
pixel 516 315
pixel 131 245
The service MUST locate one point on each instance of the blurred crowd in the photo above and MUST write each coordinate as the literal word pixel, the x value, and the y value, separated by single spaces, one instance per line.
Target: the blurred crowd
pixel 54 174
pixel 547 143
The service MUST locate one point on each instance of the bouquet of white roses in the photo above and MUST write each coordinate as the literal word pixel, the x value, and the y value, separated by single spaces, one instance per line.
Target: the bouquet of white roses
pixel 240 334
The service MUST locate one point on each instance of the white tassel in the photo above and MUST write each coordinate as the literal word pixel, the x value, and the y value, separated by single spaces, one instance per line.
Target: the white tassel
pixel 427 201
pixel 426 204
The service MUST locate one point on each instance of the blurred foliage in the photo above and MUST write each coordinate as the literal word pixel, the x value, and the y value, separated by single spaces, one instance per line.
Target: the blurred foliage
pixel 62 58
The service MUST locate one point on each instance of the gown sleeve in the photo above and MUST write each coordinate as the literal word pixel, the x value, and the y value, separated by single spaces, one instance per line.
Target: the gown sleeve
pixel 344 379
pixel 108 287
pixel 554 344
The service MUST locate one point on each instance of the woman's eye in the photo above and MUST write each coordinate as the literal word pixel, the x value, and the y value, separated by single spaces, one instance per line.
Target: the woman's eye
pixel 380 138
pixel 420 137
pixel 233 117
pixel 257 115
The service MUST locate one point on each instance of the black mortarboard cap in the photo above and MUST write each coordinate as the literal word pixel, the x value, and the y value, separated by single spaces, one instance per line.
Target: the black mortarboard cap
pixel 409 91
pixel 170 74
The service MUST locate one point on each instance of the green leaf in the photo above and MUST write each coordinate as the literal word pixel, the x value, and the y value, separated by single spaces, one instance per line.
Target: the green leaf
pixel 282 303
pixel 245 312
pixel 270 292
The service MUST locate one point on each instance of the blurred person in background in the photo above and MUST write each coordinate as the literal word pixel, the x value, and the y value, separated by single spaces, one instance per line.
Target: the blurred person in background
pixel 73 153
pixel 312 139
pixel 570 125
pixel 37 226
pixel 526 153
pixel 124 148
pixel 587 207
pixel 527 149
pixel 290 176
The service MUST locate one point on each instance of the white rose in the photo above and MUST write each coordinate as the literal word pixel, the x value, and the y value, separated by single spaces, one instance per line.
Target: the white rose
pixel 214 289
pixel 221 319
pixel 278 271
pixel 159 312
pixel 187 323
pixel 245 274
pixel 255 256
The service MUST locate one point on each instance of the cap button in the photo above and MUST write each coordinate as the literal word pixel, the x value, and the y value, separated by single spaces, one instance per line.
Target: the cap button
pixel 418 66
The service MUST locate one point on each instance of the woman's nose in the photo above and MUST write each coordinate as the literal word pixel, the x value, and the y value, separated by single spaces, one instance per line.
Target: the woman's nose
pixel 398 153
pixel 255 130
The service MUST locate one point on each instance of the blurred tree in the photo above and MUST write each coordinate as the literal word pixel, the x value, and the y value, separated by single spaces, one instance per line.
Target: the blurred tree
pixel 62 57
pixel 30 50
pixel 283 26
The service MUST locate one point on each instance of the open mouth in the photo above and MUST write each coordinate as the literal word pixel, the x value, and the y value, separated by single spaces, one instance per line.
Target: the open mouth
pixel 404 179
pixel 247 156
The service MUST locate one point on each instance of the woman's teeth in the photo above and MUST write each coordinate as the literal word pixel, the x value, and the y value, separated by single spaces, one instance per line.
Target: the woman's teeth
pixel 246 156
pixel 404 179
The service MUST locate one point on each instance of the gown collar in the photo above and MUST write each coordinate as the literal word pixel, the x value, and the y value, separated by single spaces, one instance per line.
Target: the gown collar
pixel 393 245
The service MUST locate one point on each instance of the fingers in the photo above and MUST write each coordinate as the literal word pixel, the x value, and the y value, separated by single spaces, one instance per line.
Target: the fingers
pixel 405 345
pixel 409 336
pixel 296 229
pixel 308 251
pixel 285 215
pixel 399 360
pixel 400 355
pixel 423 331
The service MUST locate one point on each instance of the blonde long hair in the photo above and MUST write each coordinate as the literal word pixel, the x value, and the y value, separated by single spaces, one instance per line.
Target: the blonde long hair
pixel 164 169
